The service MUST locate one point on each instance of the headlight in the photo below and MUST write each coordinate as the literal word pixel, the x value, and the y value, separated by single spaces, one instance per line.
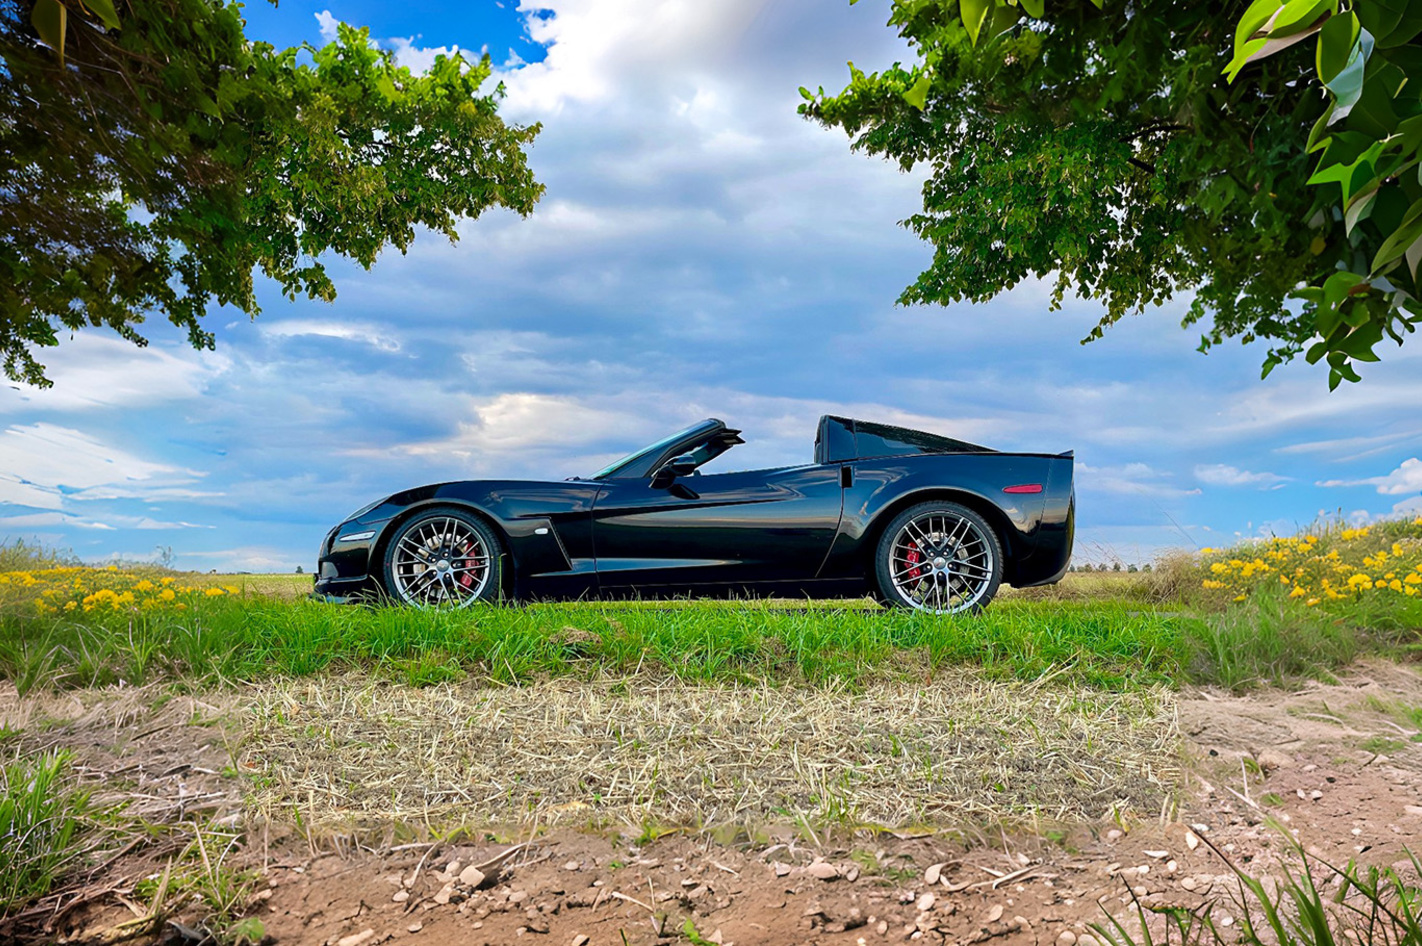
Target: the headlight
pixel 363 510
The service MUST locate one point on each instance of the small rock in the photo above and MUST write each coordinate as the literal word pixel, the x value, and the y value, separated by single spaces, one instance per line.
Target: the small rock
pixel 1191 841
pixel 443 896
pixel 1157 855
pixel 925 903
pixel 356 939
pixel 401 896
pixel 537 925
pixel 518 896
pixel 1066 938
pixel 415 927
pixel 471 876
pixel 852 874
pixel 995 913
pixel 1188 883
pixel 934 871
pixel 781 869
pixel 1139 891
pixel 1171 867
pixel 1315 795
pixel 1271 759
pixel 1021 922
pixel 1114 834
pixel 882 927
pixel 581 939
pixel 823 870
pixel 1410 809
pixel 571 865
pixel 1143 869
pixel 1310 767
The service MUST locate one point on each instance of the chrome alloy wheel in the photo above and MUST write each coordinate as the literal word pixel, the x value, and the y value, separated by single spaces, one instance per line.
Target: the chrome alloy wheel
pixel 942 563
pixel 439 561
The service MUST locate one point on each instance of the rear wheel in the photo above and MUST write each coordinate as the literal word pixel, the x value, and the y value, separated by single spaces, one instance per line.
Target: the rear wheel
pixel 443 558
pixel 939 557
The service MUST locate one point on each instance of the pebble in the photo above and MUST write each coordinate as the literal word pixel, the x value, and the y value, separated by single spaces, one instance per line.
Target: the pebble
pixel 1157 855
pixel 823 870
pixel 401 896
pixel 781 869
pixel 882 927
pixel 441 898
pixel 356 939
pixel 935 871
pixel 415 927
pixel 1139 891
pixel 571 865
pixel 925 903
pixel 1171 867
pixel 852 874
pixel 1188 883
pixel 1316 795
pixel 581 939
pixel 518 896
pixel 1066 938
pixel 471 876
pixel 1412 809
pixel 995 913
pixel 1191 841
pixel 1114 834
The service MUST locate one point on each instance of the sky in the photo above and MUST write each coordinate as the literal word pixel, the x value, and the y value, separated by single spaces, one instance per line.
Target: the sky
pixel 701 251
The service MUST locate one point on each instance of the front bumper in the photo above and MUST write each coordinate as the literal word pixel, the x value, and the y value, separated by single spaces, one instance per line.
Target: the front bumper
pixel 345 567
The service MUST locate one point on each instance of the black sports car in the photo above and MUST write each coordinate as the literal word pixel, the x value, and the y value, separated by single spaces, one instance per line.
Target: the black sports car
pixel 919 520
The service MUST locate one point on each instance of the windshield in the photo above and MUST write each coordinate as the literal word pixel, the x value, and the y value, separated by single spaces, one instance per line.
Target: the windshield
pixel 657 447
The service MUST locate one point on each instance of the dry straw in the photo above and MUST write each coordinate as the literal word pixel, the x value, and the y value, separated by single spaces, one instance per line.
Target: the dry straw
pixel 356 751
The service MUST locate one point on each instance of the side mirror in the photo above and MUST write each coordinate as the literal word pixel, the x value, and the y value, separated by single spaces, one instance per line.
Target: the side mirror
pixel 667 473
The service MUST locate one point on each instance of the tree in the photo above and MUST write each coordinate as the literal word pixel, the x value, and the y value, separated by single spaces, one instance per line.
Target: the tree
pixel 1105 146
pixel 152 158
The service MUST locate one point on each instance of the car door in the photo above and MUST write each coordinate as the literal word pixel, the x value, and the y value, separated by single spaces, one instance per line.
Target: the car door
pixel 719 528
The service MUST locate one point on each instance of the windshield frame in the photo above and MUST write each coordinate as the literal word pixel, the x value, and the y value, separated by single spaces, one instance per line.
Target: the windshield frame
pixel 699 430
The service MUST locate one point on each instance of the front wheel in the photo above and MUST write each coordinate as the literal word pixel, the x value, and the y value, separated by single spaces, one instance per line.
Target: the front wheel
pixel 443 558
pixel 939 557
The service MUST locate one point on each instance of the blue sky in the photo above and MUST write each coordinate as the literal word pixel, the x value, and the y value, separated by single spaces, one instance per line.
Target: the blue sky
pixel 701 250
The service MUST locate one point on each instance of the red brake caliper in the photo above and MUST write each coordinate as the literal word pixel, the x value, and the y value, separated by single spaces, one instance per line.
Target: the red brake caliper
pixel 912 558
pixel 467 578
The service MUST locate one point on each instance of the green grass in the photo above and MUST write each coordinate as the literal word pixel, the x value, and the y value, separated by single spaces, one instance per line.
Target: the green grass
pixel 242 639
pixel 40 816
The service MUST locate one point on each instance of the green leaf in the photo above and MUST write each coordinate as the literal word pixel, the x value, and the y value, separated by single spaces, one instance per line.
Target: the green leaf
pixel 1358 210
pixel 1359 343
pixel 1299 15
pixel 1399 240
pixel 1243 55
pixel 974 14
pixel 1253 20
pixel 1337 42
pixel 105 11
pixel 806 94
pixel 917 94
pixel 1036 9
pixel 50 20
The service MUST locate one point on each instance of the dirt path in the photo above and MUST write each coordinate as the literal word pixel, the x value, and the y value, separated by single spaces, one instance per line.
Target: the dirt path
pixel 1335 764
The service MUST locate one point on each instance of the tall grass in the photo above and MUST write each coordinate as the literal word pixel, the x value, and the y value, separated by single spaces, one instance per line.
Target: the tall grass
pixel 40 815
pixel 1362 907
pixel 247 638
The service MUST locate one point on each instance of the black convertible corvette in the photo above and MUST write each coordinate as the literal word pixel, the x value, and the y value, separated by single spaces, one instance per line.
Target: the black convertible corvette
pixel 919 520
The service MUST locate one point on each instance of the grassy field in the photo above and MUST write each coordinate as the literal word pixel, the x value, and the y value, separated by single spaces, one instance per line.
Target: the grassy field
pixel 1261 612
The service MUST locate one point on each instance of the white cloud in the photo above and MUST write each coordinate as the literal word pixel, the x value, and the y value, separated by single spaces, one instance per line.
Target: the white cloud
pixel 1221 474
pixel 1407 478
pixel 60 459
pixel 1130 478
pixel 374 335
pixel 93 371
pixel 327 24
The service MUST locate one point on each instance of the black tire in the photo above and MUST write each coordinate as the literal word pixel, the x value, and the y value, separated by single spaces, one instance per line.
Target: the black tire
pixel 960 555
pixel 443 558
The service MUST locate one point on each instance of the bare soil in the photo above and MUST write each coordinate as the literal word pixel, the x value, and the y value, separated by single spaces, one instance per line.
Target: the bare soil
pixel 1336 766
